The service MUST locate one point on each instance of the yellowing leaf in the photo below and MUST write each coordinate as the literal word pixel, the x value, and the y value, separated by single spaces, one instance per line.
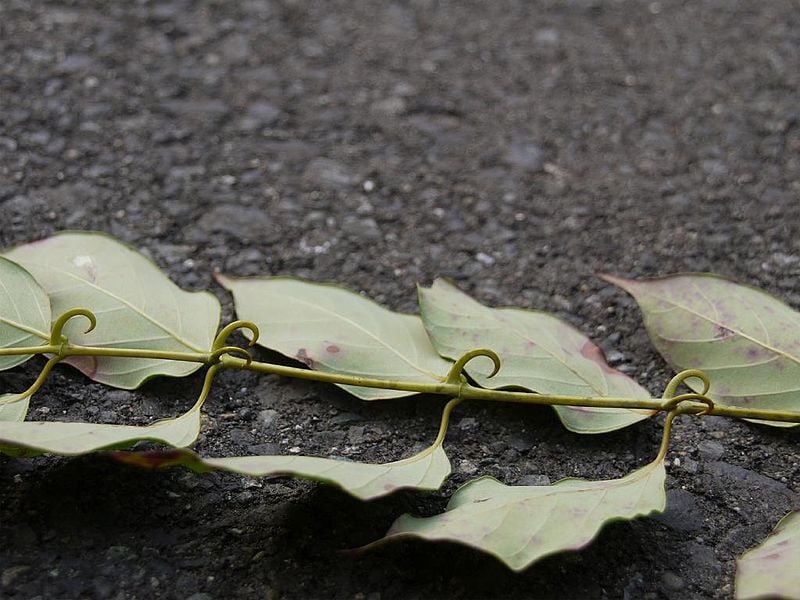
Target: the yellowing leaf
pixel 330 328
pixel 747 341
pixel 71 439
pixel 24 312
pixel 12 408
pixel 522 524
pixel 136 305
pixel 538 351
pixel 772 569
pixel 425 471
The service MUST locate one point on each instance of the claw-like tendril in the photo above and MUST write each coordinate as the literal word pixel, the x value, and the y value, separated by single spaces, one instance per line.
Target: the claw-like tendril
pixel 673 400
pixel 57 329
pixel 218 353
pixel 226 331
pixel 457 370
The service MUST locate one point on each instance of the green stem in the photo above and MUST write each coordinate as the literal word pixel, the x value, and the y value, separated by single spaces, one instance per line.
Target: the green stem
pixel 446 389
pixel 449 387
pixel 662 449
pixel 66 350
pixel 198 357
pixel 29 350
pixel 437 443
pixel 469 392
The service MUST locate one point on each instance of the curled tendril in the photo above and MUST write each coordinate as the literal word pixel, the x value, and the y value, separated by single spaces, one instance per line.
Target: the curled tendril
pixel 217 354
pixel 457 370
pixel 226 331
pixel 673 400
pixel 57 329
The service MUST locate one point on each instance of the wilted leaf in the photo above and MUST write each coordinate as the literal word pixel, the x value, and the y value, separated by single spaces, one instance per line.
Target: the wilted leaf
pixel 747 341
pixel 24 312
pixel 362 480
pixel 772 569
pixel 538 351
pixel 135 303
pixel 333 329
pixel 522 524
pixel 70 439
pixel 11 409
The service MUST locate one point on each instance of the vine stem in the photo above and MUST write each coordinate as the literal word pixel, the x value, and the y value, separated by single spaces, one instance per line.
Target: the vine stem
pixel 452 386
pixel 466 391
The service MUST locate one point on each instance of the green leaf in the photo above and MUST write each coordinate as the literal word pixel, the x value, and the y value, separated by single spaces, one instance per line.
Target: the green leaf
pixel 135 303
pixel 24 312
pixel 425 471
pixel 770 570
pixel 747 341
pixel 11 409
pixel 72 439
pixel 538 351
pixel 330 328
pixel 522 524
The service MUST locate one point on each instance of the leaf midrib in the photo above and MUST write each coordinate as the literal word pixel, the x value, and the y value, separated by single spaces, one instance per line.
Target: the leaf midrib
pixel 133 308
pixel 20 326
pixel 369 334
pixel 492 316
pixel 25 328
pixel 722 324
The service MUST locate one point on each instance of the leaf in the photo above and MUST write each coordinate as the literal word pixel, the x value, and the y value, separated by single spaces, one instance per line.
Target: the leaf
pixel 13 410
pixel 425 471
pixel 135 303
pixel 747 341
pixel 330 328
pixel 522 524
pixel 771 568
pixel 72 439
pixel 24 312
pixel 538 351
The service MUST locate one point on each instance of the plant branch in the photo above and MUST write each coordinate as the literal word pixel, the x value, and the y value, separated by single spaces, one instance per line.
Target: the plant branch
pixel 454 385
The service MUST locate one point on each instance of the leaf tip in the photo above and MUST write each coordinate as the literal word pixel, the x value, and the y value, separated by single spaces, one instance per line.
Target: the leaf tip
pixel 621 282
pixel 222 279
pixel 612 279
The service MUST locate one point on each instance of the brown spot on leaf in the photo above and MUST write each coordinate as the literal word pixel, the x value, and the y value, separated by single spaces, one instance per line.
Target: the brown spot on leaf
pixel 85 364
pixel 593 352
pixel 39 243
pixel 87 265
pixel 723 333
pixel 333 349
pixel 148 460
pixel 303 357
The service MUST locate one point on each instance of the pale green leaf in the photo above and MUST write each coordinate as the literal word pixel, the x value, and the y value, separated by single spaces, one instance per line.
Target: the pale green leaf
pixel 522 524
pixel 330 328
pixel 136 305
pixel 747 341
pixel 366 481
pixel 538 351
pixel 24 312
pixel 12 408
pixel 772 569
pixel 71 439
